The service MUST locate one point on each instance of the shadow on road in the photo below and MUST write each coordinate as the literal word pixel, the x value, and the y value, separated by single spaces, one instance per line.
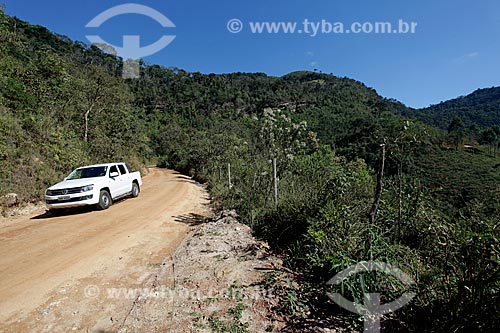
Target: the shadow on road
pixel 62 212
pixel 74 211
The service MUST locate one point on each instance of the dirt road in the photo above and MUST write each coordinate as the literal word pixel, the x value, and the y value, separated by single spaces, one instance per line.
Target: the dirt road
pixel 54 271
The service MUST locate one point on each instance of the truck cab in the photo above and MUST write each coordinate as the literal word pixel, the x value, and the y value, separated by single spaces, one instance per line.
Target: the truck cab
pixel 98 185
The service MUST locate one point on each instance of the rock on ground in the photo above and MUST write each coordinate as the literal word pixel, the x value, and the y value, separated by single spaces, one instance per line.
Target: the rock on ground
pixel 10 199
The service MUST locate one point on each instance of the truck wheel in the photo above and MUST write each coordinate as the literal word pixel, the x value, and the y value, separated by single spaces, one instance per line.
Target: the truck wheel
pixel 135 190
pixel 104 200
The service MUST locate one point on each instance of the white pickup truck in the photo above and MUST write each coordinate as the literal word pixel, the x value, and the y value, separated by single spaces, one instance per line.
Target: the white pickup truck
pixel 94 185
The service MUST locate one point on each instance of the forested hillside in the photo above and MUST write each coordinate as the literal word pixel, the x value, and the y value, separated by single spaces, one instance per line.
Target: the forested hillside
pixel 481 108
pixel 61 105
pixel 64 104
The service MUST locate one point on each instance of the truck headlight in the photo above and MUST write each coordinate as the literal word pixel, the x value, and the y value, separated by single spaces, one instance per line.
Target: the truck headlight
pixel 87 188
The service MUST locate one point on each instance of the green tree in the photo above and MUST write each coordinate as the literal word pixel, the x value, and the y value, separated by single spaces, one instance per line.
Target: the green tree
pixel 456 131
pixel 496 130
pixel 489 137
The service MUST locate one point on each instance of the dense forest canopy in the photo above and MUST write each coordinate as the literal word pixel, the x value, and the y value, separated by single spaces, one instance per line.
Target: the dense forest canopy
pixel 481 108
pixel 64 104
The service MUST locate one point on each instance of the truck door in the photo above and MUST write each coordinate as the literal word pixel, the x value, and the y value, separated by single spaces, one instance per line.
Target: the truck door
pixel 125 183
pixel 114 181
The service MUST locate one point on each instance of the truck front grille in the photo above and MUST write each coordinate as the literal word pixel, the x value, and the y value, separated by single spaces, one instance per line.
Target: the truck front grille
pixel 87 197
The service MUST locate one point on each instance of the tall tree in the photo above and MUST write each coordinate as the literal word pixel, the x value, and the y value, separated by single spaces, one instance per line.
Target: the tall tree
pixel 456 131
pixel 490 138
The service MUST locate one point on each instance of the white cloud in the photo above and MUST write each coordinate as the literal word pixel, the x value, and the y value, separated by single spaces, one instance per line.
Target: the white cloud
pixel 466 57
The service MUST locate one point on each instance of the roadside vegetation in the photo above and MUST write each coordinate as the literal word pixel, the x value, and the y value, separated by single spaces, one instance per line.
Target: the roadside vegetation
pixel 64 104
pixel 61 105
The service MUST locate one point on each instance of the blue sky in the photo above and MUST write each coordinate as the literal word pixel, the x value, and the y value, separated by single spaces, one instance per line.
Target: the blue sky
pixel 455 50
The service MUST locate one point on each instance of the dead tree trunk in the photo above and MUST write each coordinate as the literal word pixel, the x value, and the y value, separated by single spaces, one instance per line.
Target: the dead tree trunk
pixel 86 116
pixel 86 134
pixel 378 191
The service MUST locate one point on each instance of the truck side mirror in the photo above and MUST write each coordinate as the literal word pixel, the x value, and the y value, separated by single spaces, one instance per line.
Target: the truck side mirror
pixel 113 174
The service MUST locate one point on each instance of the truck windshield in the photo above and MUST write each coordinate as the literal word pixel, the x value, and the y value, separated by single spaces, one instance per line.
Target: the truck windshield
pixel 88 173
